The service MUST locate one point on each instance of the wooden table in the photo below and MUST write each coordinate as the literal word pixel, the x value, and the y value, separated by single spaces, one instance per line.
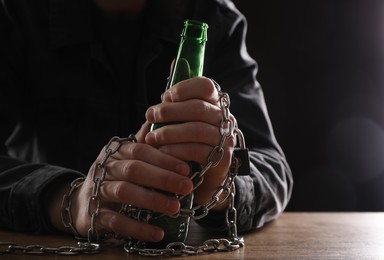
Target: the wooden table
pixel 293 236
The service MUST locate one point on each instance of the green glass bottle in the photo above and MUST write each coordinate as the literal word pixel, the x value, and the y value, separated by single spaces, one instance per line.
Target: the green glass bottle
pixel 190 58
pixel 188 64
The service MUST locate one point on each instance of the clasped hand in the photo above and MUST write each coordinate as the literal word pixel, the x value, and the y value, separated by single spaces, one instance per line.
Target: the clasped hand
pixel 157 162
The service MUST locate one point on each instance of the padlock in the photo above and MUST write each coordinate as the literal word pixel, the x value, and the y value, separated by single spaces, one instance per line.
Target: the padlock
pixel 242 154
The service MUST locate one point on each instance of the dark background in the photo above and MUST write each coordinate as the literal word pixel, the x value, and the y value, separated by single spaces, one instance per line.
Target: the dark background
pixel 321 65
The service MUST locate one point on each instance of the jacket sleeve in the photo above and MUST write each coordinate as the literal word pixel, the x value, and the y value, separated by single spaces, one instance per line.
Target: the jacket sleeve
pixel 23 186
pixel 262 195
pixel 24 190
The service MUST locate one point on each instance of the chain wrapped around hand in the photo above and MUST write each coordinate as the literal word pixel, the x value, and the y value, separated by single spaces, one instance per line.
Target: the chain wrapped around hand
pixel 227 188
pixel 172 249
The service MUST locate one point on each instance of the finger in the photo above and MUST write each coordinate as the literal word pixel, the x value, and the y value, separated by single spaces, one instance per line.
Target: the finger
pixel 201 153
pixel 128 193
pixel 188 132
pixel 195 88
pixel 189 152
pixel 194 131
pixel 142 132
pixel 127 227
pixel 144 174
pixel 190 110
pixel 152 156
pixel 197 152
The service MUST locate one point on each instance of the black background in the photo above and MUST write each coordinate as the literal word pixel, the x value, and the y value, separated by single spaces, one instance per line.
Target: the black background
pixel 321 69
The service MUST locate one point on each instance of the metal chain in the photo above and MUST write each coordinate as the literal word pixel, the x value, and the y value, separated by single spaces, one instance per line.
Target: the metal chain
pixel 98 176
pixel 83 248
pixel 172 249
pixel 233 242
pixel 200 211
pixel 92 246
pixel 66 203
pixel 214 158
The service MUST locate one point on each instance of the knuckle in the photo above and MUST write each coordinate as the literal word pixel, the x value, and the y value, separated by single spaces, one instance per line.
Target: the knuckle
pixel 134 149
pixel 129 168
pixel 176 91
pixel 160 112
pixel 209 85
pixel 202 108
pixel 118 190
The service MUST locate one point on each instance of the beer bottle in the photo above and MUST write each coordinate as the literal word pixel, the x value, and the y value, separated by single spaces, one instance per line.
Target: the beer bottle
pixel 188 64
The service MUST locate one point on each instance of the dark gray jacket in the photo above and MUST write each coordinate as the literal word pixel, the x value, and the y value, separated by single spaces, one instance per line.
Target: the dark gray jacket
pixel 62 99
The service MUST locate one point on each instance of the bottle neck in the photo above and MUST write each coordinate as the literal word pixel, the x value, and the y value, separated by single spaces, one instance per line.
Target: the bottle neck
pixel 190 57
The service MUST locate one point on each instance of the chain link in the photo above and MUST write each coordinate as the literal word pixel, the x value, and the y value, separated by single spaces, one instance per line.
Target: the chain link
pixel 132 247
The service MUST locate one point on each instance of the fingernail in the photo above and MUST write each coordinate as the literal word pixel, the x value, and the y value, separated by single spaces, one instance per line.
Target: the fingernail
pixel 151 138
pixel 157 234
pixel 150 115
pixel 172 206
pixel 185 187
pixel 183 169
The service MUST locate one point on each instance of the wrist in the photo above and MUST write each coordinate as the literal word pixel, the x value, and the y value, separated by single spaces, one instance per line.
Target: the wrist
pixel 60 206
pixel 54 206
